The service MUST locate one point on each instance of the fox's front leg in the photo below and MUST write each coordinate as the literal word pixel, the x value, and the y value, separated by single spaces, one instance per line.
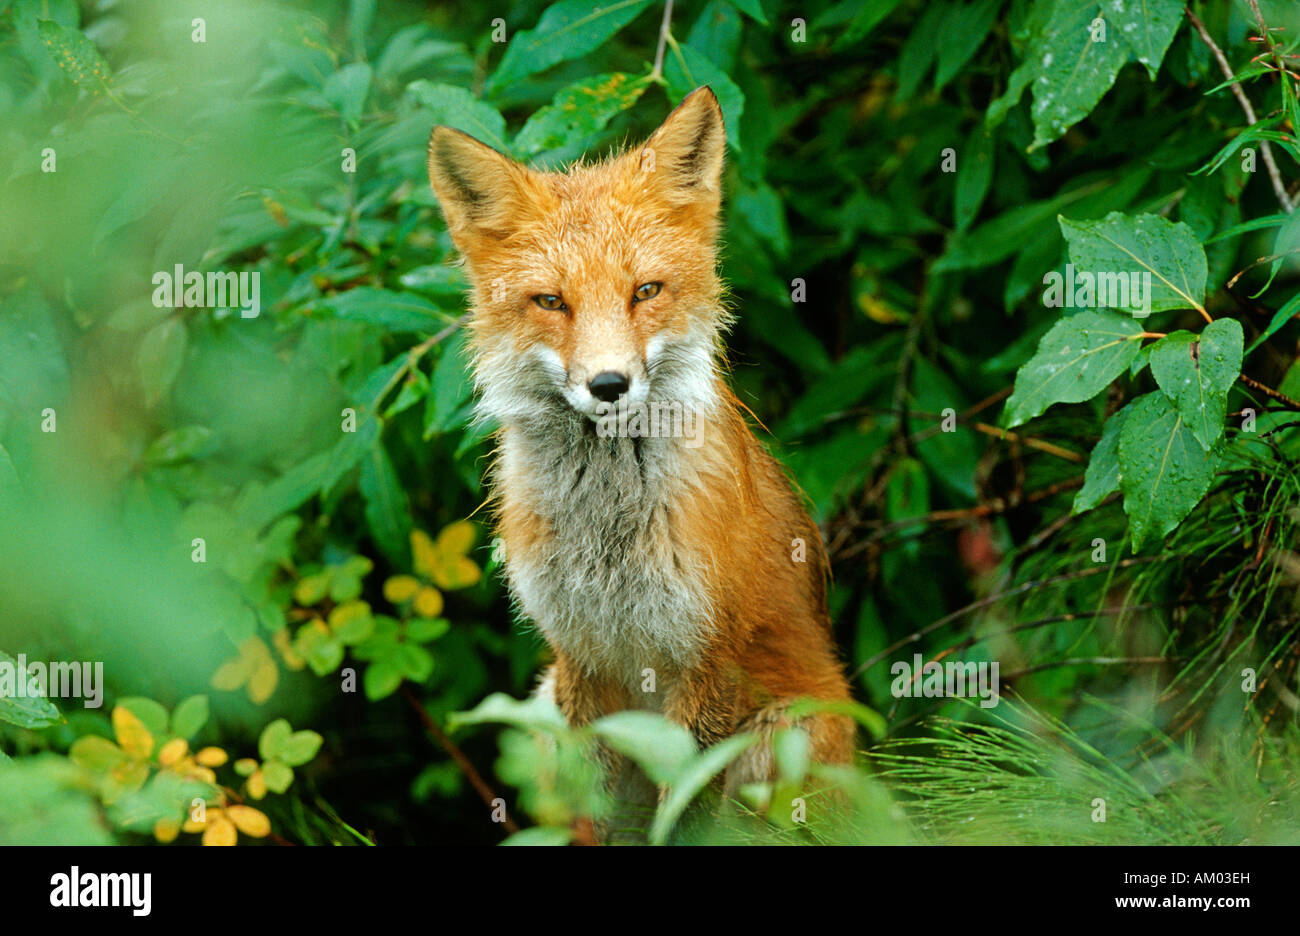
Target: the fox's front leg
pixel 583 699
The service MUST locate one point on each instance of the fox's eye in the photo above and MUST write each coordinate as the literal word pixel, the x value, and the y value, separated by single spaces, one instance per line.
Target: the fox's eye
pixel 646 291
pixel 553 303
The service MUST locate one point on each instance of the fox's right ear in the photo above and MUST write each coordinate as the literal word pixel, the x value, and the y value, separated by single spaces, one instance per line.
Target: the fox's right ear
pixel 482 192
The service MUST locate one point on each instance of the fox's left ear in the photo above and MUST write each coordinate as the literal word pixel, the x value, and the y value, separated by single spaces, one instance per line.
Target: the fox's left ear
pixel 685 153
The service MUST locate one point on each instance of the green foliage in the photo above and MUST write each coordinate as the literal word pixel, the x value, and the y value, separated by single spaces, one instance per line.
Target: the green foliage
pixel 230 513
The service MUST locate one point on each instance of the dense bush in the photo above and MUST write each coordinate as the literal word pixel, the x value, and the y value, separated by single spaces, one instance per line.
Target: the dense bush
pixel 267 527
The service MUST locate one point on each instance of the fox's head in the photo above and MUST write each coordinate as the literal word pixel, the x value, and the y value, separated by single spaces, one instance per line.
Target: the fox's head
pixel 595 285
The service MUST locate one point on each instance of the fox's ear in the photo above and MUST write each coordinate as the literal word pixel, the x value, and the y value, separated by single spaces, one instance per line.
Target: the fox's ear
pixel 685 153
pixel 481 191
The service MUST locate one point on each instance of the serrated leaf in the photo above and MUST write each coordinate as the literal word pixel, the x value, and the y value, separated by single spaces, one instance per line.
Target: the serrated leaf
pixel 567 30
pixel 1074 362
pixel 1119 244
pixel 1196 372
pixel 1164 472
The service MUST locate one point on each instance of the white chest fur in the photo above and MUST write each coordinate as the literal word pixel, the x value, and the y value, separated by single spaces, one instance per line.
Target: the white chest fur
pixel 609 584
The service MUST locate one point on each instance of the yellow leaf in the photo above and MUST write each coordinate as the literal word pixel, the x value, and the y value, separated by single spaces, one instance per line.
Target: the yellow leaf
pixel 211 757
pixel 166 830
pixel 263 682
pixel 132 736
pixel 250 821
pixel 256 650
pixel 456 539
pixel 172 751
pixel 428 602
pixel 231 675
pixel 282 643
pixel 424 555
pixel 456 572
pixel 191 825
pixel 401 588
pixel 257 785
pixel 348 611
pixel 220 830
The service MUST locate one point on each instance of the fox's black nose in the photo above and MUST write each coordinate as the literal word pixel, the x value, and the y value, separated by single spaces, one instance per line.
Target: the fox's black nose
pixel 608 386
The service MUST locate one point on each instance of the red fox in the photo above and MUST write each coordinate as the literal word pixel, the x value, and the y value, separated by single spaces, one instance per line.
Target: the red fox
pixel 676 560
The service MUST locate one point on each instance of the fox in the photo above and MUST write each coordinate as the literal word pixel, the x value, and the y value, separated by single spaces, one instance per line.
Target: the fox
pixel 687 558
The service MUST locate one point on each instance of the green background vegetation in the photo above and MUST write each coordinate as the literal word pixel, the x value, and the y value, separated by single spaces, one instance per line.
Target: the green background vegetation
pixel 901 177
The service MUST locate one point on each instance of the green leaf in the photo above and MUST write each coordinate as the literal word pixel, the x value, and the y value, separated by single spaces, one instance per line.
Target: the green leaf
pixel 459 108
pixel 1074 362
pixel 537 712
pixel 1119 244
pixel 686 69
pixel 1147 27
pixel 158 359
pixel 278 775
pixel 29 711
pixel 578 112
pixel 299 747
pixel 177 445
pixel 95 753
pixel 76 56
pixel 347 89
pixel 1068 71
pixel 452 390
pixel 751 8
pixel 395 311
pixel 972 23
pixel 974 173
pixel 1283 315
pixel 693 777
pixel 153 715
pixel 1164 472
pixel 388 512
pixel 567 30
pixel 1196 372
pixel 660 747
pixel 382 679
pixel 273 738
pixel 1102 476
pixel 190 716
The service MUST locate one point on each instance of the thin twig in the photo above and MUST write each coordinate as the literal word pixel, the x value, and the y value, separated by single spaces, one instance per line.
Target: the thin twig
pixel 1271 393
pixel 1265 150
pixel 472 775
pixel 657 72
